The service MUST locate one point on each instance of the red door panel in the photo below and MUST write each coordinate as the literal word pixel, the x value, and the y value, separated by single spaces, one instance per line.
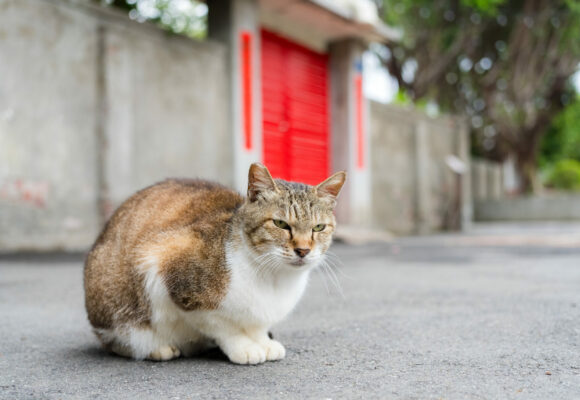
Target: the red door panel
pixel 294 110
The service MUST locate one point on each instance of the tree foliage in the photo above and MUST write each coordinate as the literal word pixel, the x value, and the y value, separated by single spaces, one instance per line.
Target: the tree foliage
pixel 183 17
pixel 504 64
pixel 562 141
pixel 564 174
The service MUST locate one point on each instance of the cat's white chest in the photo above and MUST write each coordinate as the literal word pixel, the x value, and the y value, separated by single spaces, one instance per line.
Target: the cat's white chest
pixel 260 296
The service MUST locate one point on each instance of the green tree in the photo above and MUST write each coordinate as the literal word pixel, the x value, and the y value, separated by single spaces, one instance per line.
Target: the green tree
pixel 183 17
pixel 562 141
pixel 505 64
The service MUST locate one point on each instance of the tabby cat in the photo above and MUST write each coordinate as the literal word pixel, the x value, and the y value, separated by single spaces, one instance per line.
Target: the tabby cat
pixel 186 265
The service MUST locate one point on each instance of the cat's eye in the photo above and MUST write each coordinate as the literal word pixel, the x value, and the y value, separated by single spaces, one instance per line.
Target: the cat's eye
pixel 281 224
pixel 319 227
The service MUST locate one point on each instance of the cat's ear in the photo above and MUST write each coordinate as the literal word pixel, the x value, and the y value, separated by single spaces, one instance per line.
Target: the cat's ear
pixel 259 180
pixel 331 186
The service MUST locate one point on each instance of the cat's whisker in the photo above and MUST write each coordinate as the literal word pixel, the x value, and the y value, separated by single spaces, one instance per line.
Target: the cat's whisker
pixel 334 256
pixel 261 257
pixel 268 263
pixel 272 266
pixel 323 278
pixel 330 278
pixel 264 266
pixel 332 253
pixel 337 263
pixel 334 269
pixel 334 266
pixel 264 258
pixel 262 263
pixel 333 278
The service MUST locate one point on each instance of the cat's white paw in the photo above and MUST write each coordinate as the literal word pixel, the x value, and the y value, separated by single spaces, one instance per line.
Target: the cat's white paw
pixel 165 353
pixel 274 350
pixel 249 353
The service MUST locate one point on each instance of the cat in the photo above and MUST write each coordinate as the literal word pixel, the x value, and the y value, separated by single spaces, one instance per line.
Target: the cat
pixel 186 265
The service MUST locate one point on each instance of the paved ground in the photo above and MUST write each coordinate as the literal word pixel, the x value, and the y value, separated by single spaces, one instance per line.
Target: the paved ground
pixel 494 314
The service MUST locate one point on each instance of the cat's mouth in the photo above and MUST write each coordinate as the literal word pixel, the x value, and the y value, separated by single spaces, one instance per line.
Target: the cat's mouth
pixel 300 262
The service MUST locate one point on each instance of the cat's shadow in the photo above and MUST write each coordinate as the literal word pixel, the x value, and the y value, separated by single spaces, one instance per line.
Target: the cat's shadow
pixel 97 353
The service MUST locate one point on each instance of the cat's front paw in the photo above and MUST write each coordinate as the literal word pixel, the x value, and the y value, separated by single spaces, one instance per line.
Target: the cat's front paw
pixel 274 350
pixel 164 353
pixel 250 353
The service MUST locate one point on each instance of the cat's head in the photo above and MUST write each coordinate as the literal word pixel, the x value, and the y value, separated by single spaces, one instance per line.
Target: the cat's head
pixel 289 224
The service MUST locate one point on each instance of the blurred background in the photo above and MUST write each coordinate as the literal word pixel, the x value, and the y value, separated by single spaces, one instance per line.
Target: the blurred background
pixel 443 112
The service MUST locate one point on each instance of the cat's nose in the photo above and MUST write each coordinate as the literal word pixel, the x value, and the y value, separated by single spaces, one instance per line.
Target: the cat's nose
pixel 302 252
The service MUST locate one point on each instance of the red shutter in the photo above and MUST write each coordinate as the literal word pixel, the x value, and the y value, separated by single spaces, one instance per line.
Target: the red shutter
pixel 294 110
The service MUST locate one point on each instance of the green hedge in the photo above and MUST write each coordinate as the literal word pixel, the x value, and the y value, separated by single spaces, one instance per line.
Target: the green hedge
pixel 565 175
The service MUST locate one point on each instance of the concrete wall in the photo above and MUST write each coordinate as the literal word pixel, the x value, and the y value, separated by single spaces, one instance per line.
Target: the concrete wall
pixel 393 169
pixel 487 178
pixel 48 98
pixel 414 190
pixel 562 207
pixel 92 107
pixel 494 202
pixel 165 101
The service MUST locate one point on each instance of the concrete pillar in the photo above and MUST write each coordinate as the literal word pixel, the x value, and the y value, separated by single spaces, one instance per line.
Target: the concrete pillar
pixel 511 183
pixel 494 183
pixel 422 202
pixel 463 152
pixel 350 131
pixel 235 23
pixel 480 180
pixel 500 178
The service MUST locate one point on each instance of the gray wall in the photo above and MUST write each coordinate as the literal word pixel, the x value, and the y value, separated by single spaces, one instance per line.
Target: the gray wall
pixel 548 207
pixel 93 107
pixel 487 180
pixel 413 188
pixel 393 169
pixel 492 202
pixel 166 110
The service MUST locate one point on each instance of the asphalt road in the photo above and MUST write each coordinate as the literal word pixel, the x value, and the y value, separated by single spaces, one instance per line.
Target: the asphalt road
pixel 494 314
